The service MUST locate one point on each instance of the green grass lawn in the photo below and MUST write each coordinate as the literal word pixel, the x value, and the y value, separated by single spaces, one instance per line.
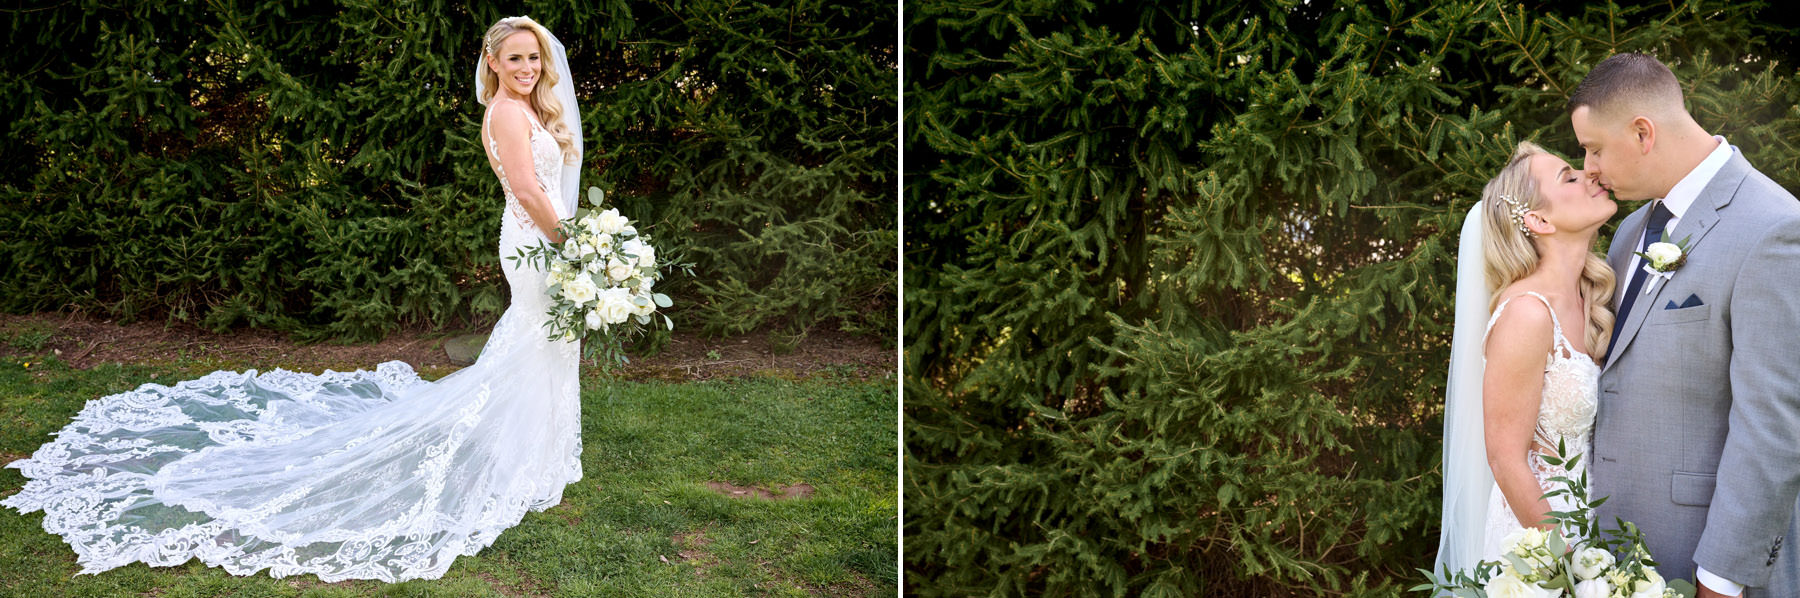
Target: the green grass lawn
pixel 641 522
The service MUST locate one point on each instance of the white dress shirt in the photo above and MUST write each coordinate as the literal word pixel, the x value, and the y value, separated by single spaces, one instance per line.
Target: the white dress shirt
pixel 1681 197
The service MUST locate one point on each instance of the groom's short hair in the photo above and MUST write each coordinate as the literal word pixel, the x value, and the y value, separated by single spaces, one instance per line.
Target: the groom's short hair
pixel 1637 83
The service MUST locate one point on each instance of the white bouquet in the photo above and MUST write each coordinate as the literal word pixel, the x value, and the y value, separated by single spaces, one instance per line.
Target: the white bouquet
pixel 1543 564
pixel 602 279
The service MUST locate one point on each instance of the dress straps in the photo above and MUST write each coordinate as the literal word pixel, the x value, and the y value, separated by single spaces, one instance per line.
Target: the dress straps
pixel 1559 345
pixel 487 117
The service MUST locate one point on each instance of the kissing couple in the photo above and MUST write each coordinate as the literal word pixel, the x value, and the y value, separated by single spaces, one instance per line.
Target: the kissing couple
pixel 1678 377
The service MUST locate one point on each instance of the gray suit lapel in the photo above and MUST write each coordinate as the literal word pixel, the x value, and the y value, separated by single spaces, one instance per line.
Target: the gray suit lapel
pixel 1699 220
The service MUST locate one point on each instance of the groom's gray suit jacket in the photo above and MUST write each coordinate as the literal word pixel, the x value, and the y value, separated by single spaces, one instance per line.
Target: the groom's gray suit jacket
pixel 1697 440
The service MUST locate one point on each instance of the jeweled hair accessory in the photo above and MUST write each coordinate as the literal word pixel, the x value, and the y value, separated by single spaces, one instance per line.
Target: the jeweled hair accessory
pixel 1517 212
pixel 487 47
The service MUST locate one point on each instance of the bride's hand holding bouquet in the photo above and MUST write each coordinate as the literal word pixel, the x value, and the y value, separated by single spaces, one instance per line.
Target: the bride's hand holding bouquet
pixel 601 280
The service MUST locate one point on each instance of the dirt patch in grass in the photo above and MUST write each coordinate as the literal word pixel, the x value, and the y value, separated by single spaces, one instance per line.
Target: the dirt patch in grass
pixel 789 492
pixel 858 585
pixel 691 356
pixel 84 341
pixel 304 583
pixel 310 582
pixel 691 547
pixel 530 588
pixel 564 512
pixel 6 458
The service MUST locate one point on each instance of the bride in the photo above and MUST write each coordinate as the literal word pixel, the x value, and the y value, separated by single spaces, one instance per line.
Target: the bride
pixel 352 475
pixel 1525 382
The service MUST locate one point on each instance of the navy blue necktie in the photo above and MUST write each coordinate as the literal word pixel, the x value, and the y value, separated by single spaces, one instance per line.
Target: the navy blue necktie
pixel 1659 218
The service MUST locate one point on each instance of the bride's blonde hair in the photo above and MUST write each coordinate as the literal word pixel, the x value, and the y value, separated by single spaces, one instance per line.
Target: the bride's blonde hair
pixel 543 98
pixel 1509 254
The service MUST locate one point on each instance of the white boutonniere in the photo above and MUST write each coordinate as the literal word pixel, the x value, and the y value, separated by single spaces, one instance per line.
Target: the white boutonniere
pixel 1662 259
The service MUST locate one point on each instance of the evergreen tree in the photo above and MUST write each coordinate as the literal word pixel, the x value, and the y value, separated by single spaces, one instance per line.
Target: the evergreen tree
pixel 313 167
pixel 1179 275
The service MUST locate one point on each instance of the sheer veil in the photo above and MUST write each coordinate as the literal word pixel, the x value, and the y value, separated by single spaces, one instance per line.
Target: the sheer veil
pixel 571 115
pixel 1467 480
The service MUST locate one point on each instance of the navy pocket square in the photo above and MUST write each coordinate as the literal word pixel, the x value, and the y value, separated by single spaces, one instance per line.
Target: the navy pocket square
pixel 1691 301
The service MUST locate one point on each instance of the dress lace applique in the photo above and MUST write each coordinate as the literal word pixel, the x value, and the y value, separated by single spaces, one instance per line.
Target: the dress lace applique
pixel 546 164
pixel 1570 400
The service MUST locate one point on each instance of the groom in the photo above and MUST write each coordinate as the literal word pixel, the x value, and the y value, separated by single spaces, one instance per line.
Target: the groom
pixel 1697 440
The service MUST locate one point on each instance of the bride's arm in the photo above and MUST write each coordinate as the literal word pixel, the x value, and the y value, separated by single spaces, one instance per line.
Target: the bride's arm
pixel 1511 390
pixel 512 136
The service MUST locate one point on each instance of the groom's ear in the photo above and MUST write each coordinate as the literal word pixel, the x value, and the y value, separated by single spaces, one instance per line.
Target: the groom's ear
pixel 1643 132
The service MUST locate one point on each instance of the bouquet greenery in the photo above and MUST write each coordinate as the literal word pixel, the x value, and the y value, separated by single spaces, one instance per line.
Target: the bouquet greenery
pixel 1545 564
pixel 601 281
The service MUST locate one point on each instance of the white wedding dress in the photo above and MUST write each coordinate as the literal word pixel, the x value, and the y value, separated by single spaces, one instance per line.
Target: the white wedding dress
pixel 343 475
pixel 1570 401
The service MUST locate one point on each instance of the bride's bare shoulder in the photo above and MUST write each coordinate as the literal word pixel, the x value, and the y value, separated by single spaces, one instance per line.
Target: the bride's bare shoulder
pixel 1520 321
pixel 505 119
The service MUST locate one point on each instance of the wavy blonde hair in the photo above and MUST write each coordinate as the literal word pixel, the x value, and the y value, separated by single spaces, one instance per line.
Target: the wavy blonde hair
pixel 1508 255
pixel 543 99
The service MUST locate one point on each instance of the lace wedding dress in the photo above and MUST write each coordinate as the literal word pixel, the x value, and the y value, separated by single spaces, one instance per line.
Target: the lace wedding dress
pixel 343 475
pixel 1570 401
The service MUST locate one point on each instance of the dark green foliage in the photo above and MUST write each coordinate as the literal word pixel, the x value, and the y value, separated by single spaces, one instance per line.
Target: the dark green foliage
pixel 1179 274
pixel 313 167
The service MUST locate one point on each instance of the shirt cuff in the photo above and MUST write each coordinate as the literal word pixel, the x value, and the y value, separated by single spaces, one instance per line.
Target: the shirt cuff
pixel 1716 583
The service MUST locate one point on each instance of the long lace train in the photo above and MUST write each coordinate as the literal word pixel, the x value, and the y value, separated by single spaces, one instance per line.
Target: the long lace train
pixel 366 475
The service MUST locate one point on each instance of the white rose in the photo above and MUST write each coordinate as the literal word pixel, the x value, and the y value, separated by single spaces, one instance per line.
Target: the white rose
pixel 646 255
pixel 614 306
pixel 580 291
pixel 603 244
pixel 1593 588
pixel 644 284
pixel 1662 254
pixel 1591 562
pixel 1522 541
pixel 1505 585
pixel 592 266
pixel 629 231
pixel 1651 586
pixel 590 221
pixel 593 319
pixel 619 270
pixel 610 222
pixel 570 250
